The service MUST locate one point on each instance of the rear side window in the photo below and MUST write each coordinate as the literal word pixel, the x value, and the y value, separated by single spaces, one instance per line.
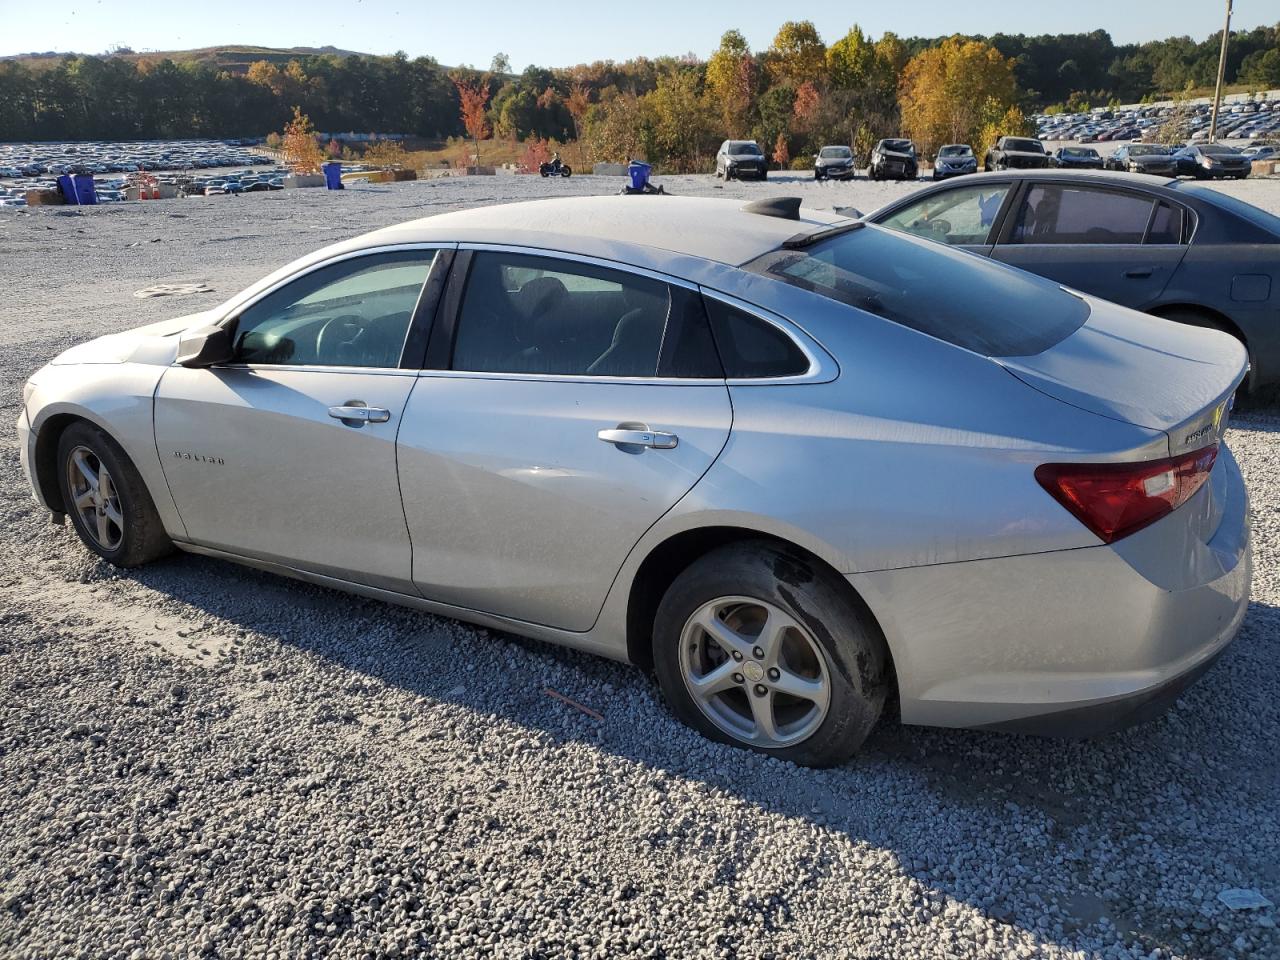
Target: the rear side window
pixel 752 348
pixel 544 315
pixel 969 301
pixel 1051 213
pixel 1166 224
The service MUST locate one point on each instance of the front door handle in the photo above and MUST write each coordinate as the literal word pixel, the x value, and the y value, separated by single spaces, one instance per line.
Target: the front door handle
pixel 355 413
pixel 638 435
pixel 1139 273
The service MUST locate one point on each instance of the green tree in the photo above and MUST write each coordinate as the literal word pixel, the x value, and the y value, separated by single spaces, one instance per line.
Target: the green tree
pixel 797 54
pixel 851 60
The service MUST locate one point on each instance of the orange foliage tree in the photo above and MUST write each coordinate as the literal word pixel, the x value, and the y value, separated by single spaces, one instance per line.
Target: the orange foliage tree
pixel 301 152
pixel 781 155
pixel 473 99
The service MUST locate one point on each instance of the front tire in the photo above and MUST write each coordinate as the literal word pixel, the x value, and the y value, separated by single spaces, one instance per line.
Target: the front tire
pixel 107 499
pixel 756 648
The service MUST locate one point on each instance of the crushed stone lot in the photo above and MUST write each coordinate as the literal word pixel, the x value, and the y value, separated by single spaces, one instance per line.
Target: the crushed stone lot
pixel 201 760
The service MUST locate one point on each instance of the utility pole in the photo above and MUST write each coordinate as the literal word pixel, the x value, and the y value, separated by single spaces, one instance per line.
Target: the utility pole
pixel 1222 66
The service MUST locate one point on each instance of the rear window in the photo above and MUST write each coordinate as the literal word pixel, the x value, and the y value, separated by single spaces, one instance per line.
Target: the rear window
pixel 1246 211
pixel 957 297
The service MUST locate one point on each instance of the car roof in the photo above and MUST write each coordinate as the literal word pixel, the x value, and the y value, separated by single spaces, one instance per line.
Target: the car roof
pixel 626 228
pixel 1091 176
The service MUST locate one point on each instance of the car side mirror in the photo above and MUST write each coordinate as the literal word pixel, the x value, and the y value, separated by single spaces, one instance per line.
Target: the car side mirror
pixel 206 346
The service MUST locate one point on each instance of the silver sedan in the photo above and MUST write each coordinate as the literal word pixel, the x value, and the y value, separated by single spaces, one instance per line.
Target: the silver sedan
pixel 791 462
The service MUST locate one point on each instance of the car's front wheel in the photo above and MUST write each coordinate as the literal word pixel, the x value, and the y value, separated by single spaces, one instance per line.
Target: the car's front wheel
pixel 755 647
pixel 107 500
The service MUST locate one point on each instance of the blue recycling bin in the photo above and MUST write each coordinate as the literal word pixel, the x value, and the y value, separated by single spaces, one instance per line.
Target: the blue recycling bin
pixel 78 189
pixel 86 193
pixel 332 174
pixel 639 174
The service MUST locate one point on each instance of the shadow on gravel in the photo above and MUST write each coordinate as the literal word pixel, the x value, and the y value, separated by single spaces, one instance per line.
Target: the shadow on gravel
pixel 1132 828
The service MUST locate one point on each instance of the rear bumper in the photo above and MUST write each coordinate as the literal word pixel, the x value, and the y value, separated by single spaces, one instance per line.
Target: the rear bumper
pixel 1074 642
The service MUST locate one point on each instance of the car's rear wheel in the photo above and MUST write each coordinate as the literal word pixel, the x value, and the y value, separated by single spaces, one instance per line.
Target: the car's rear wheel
pixel 755 647
pixel 107 500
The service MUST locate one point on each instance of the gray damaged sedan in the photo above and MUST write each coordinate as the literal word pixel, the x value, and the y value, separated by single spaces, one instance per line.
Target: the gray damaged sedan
pixel 792 462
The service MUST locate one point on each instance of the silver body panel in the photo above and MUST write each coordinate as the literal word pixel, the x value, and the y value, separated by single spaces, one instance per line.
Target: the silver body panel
pixel 905 463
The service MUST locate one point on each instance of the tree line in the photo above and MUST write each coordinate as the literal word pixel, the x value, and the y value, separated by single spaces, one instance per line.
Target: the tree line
pixel 792 96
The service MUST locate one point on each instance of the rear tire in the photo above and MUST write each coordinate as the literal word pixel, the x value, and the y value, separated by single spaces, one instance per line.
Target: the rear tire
pixel 783 660
pixel 107 499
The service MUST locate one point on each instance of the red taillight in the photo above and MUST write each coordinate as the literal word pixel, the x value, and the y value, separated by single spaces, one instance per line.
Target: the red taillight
pixel 1117 499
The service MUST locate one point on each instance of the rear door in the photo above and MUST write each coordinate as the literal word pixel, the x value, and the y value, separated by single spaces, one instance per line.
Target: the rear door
pixel 1121 245
pixel 574 403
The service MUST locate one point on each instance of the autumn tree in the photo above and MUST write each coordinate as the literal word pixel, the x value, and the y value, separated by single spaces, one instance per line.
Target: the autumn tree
pixel 386 154
pixel 953 92
pixel 804 110
pixel 781 155
pixel 797 54
pixel 731 83
pixel 298 145
pixel 473 97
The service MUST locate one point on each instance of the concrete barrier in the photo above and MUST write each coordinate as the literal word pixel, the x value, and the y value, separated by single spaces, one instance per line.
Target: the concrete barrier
pixel 610 169
pixel 304 180
pixel 1265 168
pixel 44 198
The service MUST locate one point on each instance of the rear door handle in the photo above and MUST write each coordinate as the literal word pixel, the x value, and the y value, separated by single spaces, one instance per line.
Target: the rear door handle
pixel 1139 273
pixel 355 413
pixel 626 436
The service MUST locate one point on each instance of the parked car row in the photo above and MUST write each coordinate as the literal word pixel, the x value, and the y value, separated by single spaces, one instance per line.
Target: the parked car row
pixel 99 157
pixel 1251 119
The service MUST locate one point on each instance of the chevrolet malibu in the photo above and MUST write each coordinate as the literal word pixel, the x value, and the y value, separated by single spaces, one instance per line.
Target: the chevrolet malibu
pixel 792 462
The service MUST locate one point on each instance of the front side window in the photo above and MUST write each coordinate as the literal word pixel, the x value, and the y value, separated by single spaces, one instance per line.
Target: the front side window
pixel 1051 213
pixel 542 315
pixel 354 313
pixel 961 216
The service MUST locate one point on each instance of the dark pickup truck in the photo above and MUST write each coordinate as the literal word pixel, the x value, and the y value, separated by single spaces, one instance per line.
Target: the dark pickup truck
pixel 1016 153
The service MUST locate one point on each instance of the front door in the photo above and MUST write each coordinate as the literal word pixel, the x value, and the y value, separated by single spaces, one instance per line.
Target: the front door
pixel 582 402
pixel 1119 245
pixel 288 453
pixel 961 215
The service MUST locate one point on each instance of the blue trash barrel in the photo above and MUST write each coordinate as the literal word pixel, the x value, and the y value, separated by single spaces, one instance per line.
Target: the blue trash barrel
pixel 639 174
pixel 86 193
pixel 332 174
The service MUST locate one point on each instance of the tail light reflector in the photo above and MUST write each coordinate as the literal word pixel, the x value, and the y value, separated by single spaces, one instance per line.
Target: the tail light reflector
pixel 1117 499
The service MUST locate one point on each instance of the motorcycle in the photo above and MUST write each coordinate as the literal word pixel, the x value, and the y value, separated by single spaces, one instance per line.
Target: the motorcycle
pixel 555 168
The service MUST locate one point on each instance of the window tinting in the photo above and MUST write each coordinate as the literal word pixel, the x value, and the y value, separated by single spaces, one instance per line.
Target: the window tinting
pixel 751 347
pixel 354 313
pixel 1166 225
pixel 964 215
pixel 1052 213
pixel 949 294
pixel 531 314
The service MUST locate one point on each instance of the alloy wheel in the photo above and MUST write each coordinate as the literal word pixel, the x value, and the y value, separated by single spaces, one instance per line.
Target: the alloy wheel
pixel 95 498
pixel 755 671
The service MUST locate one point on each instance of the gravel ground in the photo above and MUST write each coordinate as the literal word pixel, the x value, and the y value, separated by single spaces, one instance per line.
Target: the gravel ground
pixel 201 760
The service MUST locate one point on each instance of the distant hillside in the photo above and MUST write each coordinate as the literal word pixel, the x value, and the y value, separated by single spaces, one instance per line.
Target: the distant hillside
pixel 233 58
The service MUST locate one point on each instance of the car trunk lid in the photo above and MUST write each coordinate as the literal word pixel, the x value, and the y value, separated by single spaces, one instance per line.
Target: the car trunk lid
pixel 1142 370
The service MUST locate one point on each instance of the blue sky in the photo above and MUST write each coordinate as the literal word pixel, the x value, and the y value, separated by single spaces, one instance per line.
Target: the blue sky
pixel 471 32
